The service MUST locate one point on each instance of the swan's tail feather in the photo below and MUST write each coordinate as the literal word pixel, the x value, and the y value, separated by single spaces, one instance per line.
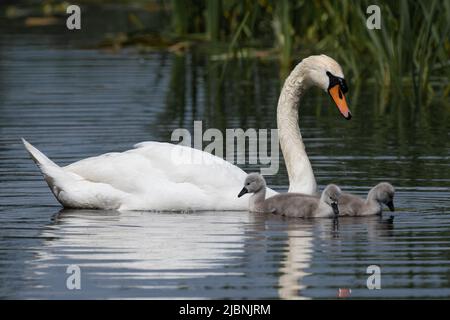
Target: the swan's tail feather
pixel 53 174
pixel 72 190
pixel 41 159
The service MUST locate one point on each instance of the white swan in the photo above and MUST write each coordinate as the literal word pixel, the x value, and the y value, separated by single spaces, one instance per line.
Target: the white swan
pixel 164 176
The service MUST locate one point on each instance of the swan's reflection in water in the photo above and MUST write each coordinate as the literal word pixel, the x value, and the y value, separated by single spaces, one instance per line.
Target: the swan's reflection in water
pixel 147 240
pixel 172 255
pixel 307 237
pixel 291 242
pixel 296 260
pixel 175 255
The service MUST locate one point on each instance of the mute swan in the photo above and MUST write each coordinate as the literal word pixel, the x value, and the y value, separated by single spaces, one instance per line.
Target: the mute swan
pixel 290 204
pixel 351 205
pixel 164 176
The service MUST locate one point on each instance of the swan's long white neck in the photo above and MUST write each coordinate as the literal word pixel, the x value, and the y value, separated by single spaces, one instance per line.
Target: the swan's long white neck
pixel 301 175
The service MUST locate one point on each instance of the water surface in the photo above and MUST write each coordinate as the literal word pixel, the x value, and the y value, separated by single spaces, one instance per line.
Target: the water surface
pixel 73 103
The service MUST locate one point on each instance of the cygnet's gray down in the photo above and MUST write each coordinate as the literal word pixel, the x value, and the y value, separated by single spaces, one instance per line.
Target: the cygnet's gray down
pixel 351 205
pixel 290 204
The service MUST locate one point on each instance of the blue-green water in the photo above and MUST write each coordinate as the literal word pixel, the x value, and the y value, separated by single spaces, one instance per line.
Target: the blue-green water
pixel 73 103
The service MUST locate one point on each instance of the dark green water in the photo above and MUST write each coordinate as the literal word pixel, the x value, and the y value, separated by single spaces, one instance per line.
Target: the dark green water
pixel 73 103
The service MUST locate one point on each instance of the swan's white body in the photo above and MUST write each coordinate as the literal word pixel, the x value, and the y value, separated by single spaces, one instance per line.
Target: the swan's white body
pixel 153 176
pixel 164 176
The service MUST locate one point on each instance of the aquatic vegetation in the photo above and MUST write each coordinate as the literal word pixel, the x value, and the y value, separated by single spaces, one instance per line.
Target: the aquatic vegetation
pixel 406 60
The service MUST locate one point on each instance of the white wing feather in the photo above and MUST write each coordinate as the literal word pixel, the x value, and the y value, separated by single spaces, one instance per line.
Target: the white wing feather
pixel 164 176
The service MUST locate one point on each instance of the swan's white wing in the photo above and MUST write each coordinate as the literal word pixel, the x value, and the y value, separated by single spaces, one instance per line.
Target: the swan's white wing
pixel 164 176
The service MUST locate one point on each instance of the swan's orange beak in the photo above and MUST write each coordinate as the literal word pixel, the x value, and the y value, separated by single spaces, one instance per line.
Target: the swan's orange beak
pixel 339 99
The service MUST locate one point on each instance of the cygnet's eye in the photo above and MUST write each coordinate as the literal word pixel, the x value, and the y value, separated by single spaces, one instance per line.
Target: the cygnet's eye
pixel 248 183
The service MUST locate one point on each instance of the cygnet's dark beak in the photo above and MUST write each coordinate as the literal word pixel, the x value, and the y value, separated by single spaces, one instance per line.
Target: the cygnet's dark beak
pixel 390 205
pixel 335 207
pixel 243 191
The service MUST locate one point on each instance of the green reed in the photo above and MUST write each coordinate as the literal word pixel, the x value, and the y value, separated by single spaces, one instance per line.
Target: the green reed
pixel 408 58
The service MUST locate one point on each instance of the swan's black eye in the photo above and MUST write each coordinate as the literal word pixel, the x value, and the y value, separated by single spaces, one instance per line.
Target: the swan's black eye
pixel 337 81
pixel 343 85
pixel 248 183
